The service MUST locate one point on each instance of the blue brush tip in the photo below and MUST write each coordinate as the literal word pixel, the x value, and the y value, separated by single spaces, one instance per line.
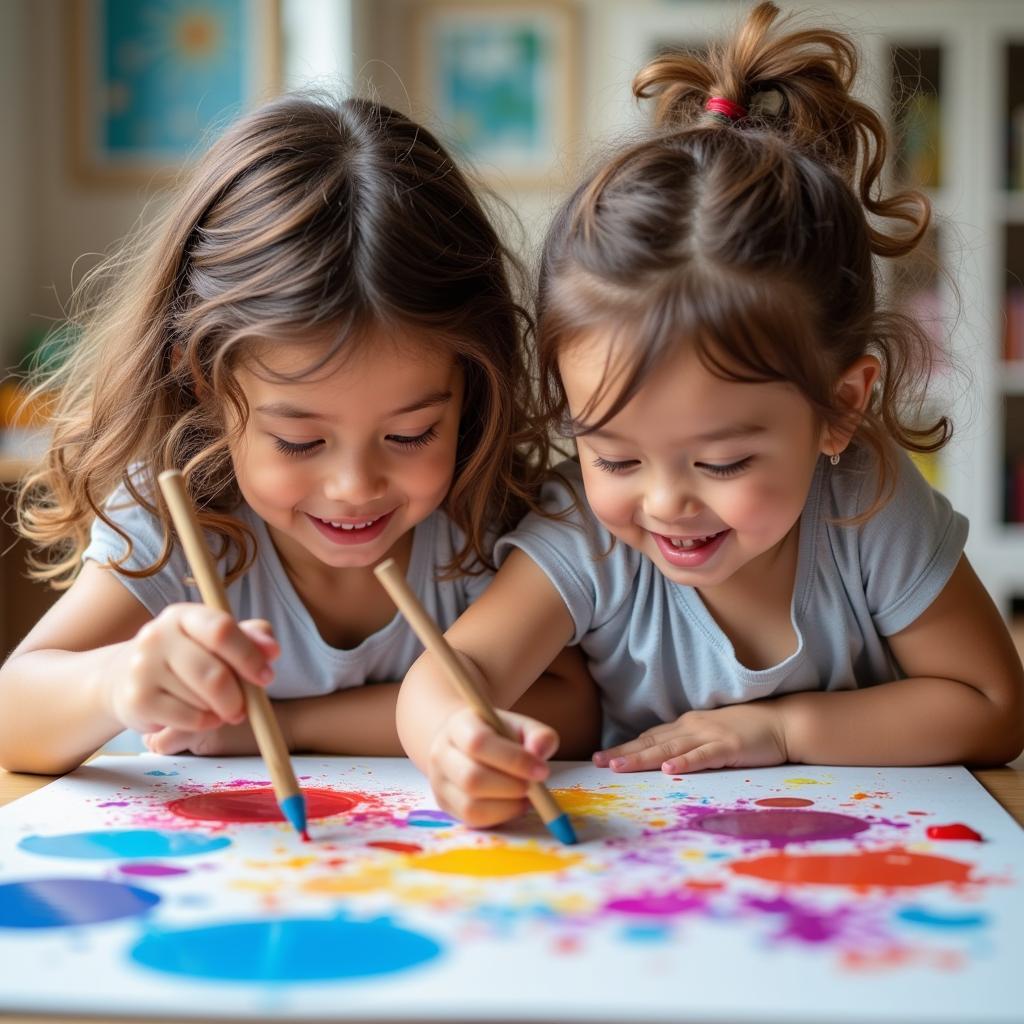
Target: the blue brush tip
pixel 561 828
pixel 294 809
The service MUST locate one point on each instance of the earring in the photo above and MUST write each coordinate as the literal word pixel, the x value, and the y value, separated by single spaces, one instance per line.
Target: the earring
pixel 834 458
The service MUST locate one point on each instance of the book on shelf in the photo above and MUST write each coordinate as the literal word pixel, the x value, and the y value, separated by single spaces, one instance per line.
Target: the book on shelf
pixel 920 150
pixel 1015 163
pixel 1014 505
pixel 1013 334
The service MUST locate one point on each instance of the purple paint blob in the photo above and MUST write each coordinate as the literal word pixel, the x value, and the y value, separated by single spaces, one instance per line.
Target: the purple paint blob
pixel 802 924
pixel 152 870
pixel 656 904
pixel 779 827
pixel 114 803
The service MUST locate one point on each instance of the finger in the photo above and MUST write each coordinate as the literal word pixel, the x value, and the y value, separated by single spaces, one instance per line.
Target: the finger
pixel 169 740
pixel 708 755
pixel 652 755
pixel 536 737
pixel 262 634
pixel 482 744
pixel 202 679
pixel 478 781
pixel 166 710
pixel 644 741
pixel 479 813
pixel 220 634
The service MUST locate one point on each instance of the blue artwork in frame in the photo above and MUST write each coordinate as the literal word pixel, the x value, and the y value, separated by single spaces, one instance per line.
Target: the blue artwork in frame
pixel 154 78
pixel 497 77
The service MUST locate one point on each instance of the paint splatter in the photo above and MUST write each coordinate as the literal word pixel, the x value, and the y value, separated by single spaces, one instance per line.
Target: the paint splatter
pixel 165 775
pixel 801 782
pixel 942 920
pixel 494 862
pixel 430 819
pixel 146 870
pixel 65 902
pixel 894 868
pixel 385 844
pixel 657 904
pixel 593 803
pixel 286 950
pixel 955 831
pixel 784 801
pixel 779 827
pixel 123 844
pixel 260 805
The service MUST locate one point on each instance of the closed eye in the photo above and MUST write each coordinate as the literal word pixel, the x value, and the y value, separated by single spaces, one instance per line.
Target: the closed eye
pixel 293 448
pixel 614 467
pixel 419 441
pixel 730 469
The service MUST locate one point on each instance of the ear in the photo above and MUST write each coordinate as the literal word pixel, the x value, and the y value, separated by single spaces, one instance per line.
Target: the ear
pixel 853 393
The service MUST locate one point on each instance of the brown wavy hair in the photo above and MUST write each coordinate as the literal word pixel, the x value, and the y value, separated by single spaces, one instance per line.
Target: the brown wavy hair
pixel 752 240
pixel 308 218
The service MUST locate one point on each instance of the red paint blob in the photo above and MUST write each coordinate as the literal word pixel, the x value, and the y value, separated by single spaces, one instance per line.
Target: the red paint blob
pixel 385 844
pixel 896 868
pixel 250 805
pixel 955 831
pixel 783 801
pixel 305 835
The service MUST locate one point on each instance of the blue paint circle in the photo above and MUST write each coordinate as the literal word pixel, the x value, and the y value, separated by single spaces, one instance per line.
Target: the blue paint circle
pixel 288 950
pixel 429 819
pixel 123 844
pixel 62 902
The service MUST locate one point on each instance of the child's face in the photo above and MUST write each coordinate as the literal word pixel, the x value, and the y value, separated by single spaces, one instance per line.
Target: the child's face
pixel 344 464
pixel 703 475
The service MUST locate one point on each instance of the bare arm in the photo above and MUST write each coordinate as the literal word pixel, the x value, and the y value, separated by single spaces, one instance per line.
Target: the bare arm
pixel 963 700
pixel 508 638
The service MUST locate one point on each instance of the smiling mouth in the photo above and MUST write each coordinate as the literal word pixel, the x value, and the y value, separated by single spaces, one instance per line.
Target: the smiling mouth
pixel 355 526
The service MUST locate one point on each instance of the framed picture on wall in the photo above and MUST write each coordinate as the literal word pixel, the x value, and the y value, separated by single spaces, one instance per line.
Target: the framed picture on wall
pixel 151 81
pixel 499 81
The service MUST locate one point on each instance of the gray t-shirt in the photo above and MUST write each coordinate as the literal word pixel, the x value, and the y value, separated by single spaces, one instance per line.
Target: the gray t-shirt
pixel 656 652
pixel 308 666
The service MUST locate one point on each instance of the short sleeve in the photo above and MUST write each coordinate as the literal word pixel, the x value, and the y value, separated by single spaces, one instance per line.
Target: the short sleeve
pixel 592 572
pixel 106 545
pixel 908 549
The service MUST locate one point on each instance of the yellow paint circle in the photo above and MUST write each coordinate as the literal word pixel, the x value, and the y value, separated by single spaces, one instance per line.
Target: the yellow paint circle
pixel 493 862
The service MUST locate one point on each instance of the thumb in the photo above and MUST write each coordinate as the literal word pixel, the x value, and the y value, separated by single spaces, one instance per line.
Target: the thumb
pixel 539 739
pixel 261 633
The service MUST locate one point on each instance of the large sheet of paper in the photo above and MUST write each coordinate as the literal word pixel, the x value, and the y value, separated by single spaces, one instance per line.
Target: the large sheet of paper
pixel 165 886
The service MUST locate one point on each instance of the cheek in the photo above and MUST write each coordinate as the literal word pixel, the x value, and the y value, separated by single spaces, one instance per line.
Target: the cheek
pixel 610 499
pixel 266 477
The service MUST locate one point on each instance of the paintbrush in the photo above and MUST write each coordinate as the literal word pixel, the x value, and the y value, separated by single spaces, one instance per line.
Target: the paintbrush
pixel 257 704
pixel 433 640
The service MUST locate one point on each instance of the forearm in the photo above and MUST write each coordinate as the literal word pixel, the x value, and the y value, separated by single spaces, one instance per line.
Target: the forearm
pixel 359 721
pixel 907 722
pixel 425 702
pixel 55 709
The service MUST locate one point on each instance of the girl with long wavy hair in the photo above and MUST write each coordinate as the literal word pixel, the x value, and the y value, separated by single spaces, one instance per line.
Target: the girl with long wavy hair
pixel 323 336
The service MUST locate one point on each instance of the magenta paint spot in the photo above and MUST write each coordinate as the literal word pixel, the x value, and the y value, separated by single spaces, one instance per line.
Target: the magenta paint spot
pixel 779 827
pixel 801 924
pixel 114 803
pixel 956 830
pixel 784 801
pixel 152 870
pixel 656 904
pixel 259 805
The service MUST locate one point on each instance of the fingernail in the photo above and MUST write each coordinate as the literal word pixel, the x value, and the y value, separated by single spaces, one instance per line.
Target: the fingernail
pixel 600 759
pixel 617 762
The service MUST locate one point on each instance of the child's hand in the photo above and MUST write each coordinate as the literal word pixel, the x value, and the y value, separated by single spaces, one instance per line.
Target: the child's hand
pixel 227 741
pixel 182 670
pixel 481 777
pixel 738 736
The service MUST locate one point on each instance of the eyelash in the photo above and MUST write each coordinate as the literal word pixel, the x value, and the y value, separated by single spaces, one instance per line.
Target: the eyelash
pixel 720 471
pixel 420 441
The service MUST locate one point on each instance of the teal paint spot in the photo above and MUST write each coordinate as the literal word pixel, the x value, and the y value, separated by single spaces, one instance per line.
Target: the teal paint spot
pixel 646 933
pixel 944 921
pixel 123 844
pixel 286 950
pixel 165 775
pixel 429 819
pixel 64 902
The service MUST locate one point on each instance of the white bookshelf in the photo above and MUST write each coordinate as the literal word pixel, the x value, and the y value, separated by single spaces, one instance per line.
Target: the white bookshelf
pixel 980 223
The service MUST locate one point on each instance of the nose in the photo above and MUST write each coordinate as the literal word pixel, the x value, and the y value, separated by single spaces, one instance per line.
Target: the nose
pixel 355 480
pixel 669 498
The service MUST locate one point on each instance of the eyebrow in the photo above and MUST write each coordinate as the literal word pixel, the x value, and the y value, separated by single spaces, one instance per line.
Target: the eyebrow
pixel 294 412
pixel 727 433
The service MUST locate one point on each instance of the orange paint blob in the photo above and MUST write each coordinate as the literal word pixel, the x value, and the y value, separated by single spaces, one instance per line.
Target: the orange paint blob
pixel 896 868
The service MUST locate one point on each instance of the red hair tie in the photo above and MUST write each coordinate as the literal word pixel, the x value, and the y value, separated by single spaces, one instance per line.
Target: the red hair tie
pixel 728 109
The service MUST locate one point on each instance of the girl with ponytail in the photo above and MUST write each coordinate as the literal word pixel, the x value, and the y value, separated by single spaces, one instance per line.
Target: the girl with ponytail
pixel 753 566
